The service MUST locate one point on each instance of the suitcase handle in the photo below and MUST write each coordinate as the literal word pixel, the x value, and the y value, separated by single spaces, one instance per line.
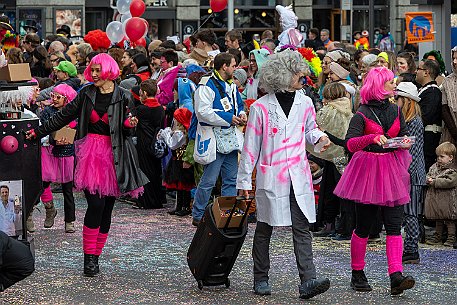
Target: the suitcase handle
pixel 238 200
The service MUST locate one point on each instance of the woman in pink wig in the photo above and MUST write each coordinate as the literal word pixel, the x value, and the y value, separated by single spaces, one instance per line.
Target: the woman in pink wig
pixel 377 178
pixel 106 159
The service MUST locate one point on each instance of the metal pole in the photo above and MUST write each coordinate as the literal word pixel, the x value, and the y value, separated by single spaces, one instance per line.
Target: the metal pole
pixel 371 22
pixel 230 15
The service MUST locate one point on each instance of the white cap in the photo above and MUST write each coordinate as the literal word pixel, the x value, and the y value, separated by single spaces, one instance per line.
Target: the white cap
pixel 408 89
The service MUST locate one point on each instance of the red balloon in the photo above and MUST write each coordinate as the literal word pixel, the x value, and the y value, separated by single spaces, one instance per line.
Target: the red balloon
pixel 137 8
pixel 218 5
pixel 139 42
pixel 9 145
pixel 135 28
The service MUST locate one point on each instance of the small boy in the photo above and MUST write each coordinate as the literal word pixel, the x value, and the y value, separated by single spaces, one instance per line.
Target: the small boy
pixel 441 199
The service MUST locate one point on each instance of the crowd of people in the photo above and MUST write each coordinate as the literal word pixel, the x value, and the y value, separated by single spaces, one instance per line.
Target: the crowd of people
pixel 312 130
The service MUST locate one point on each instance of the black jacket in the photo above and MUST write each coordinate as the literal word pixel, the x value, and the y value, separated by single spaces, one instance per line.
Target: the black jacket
pixel 431 104
pixel 129 175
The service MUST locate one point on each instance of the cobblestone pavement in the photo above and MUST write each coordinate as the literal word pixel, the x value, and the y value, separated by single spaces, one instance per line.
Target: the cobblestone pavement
pixel 144 262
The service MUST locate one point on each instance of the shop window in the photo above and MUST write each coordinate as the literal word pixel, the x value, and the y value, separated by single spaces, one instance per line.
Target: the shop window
pixel 246 3
pixel 95 20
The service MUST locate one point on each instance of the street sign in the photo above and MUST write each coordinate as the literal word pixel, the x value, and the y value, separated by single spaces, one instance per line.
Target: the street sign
pixel 419 27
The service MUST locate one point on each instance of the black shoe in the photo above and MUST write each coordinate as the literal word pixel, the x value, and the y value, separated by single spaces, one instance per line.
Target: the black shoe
pixel 359 281
pixel 327 231
pixel 410 258
pixel 399 283
pixel 97 267
pixel 89 265
pixel 172 212
pixel 195 222
pixel 313 287
pixel 184 212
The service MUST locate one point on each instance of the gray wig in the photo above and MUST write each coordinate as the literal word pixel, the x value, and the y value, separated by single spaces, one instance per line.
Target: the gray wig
pixel 276 73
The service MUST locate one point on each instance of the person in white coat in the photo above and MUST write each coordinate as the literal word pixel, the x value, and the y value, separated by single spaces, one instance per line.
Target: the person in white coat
pixel 279 125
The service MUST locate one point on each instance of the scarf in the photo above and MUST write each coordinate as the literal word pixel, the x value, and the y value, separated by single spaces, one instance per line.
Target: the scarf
pixel 151 102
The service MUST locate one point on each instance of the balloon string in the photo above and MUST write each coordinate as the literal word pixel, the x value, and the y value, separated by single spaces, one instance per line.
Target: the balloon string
pixel 211 15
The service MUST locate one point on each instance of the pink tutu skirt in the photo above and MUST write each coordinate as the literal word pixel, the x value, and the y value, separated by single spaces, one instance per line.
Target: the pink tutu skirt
pixel 376 178
pixel 56 169
pixel 95 170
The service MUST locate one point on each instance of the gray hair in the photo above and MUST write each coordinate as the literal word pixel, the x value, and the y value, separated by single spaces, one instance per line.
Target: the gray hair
pixel 84 49
pixel 276 73
pixel 57 46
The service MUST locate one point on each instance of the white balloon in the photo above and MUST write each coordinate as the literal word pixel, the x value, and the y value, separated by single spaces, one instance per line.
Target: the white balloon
pixel 115 31
pixel 123 6
pixel 125 17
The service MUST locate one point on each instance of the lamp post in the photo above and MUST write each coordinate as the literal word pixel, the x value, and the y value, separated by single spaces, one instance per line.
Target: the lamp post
pixel 230 15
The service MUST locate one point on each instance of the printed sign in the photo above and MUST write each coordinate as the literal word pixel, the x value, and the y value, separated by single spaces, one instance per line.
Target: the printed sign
pixel 419 27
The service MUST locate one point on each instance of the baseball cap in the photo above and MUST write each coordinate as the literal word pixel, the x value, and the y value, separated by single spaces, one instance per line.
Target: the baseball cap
pixel 68 67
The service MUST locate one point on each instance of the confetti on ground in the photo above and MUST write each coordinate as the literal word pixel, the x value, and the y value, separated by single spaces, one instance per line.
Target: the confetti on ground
pixel 144 262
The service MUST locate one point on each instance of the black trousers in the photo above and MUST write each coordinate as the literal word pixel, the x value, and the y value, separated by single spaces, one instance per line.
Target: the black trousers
pixel 16 261
pixel 68 200
pixel 329 204
pixel 366 218
pixel 99 211
pixel 431 142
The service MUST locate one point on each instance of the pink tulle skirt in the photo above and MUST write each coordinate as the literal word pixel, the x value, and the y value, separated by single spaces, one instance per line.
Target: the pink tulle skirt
pixel 95 170
pixel 376 178
pixel 56 169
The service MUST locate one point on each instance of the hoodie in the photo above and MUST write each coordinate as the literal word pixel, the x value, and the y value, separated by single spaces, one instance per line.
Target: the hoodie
pixel 186 89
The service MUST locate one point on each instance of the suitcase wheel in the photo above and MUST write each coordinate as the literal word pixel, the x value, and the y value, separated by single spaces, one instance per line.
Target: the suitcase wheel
pixel 200 285
pixel 227 283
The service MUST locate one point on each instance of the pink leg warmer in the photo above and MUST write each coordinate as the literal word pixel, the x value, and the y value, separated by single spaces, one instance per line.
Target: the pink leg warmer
pixel 394 251
pixel 47 195
pixel 101 240
pixel 90 240
pixel 358 251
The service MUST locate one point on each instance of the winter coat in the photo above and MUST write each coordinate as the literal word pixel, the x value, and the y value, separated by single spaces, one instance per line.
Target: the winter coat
pixel 275 145
pixel 129 176
pixel 441 198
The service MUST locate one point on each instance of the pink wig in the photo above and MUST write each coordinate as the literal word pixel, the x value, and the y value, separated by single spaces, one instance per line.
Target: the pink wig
pixel 373 86
pixel 110 69
pixel 67 91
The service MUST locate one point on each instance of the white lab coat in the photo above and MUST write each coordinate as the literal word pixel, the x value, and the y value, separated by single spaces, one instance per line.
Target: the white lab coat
pixel 275 144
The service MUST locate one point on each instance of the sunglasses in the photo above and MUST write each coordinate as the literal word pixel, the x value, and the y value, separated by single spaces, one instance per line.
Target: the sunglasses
pixel 56 96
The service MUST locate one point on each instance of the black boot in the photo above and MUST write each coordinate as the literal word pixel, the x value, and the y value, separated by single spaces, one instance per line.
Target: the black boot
pixel 89 265
pixel 399 283
pixel 185 210
pixel 327 231
pixel 179 202
pixel 411 258
pixel 310 288
pixel 359 281
pixel 97 267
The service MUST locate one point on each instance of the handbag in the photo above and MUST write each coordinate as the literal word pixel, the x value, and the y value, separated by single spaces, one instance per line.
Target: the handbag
pixel 158 147
pixel 205 145
pixel 227 140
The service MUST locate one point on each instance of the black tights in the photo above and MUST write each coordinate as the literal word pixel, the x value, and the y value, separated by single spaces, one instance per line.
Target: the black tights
pixel 98 213
pixel 366 217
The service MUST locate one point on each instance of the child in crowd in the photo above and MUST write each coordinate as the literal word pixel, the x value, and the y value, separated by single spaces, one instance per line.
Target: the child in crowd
pixel 240 78
pixel 441 199
pixel 179 175
pixel 316 166
pixel 57 161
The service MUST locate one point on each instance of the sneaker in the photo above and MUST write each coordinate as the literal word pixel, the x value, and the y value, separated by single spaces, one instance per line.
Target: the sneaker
pixel 313 287
pixel 329 229
pixel 399 283
pixel 262 288
pixel 411 258
pixel 195 222
pixel 359 281
pixel 341 238
pixel 183 212
pixel 70 227
pixel 450 241
pixel 436 240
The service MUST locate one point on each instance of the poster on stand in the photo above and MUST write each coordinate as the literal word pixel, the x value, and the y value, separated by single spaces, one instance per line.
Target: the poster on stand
pixel 69 16
pixel 11 207
pixel 30 19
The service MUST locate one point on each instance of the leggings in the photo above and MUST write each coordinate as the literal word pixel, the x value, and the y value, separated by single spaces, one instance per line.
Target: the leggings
pixel 366 217
pixel 99 210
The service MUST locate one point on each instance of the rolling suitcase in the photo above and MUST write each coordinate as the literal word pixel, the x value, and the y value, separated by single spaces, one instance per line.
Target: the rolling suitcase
pixel 213 250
